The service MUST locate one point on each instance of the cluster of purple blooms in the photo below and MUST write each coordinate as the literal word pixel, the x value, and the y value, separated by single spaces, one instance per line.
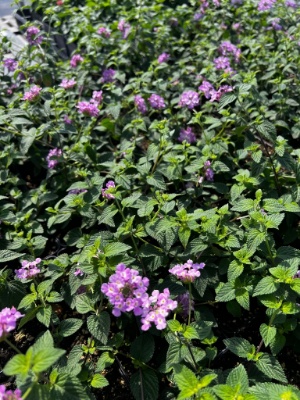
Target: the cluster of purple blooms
pixel 275 24
pixel 32 35
pixel 103 32
pixel 29 269
pixel 223 63
pixel 291 3
pixel 32 94
pixel 10 394
pixel 227 48
pixel 52 157
pixel 11 64
pixel 140 104
pixel 79 272
pixel 107 191
pixel 8 320
pixel 208 173
pixel 210 92
pixel 164 57
pixel 75 60
pixel 108 75
pixel 67 120
pixel 90 108
pixel 265 5
pixel 67 83
pixel 127 291
pixel 188 135
pixel 187 272
pixel 189 99
pixel 156 102
pixel 124 27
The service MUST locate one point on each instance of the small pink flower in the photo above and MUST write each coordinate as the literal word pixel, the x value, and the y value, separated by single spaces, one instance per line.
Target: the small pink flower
pixel 32 94
pixel 107 191
pixel 75 60
pixel 67 83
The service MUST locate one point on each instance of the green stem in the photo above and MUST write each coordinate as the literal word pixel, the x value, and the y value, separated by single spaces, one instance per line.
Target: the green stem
pixel 190 303
pixel 12 346
pixel 269 250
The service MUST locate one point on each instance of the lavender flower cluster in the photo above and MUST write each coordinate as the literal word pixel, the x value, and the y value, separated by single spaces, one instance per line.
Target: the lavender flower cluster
pixel 90 108
pixel 210 92
pixel 29 269
pixel 11 64
pixel 187 272
pixel 32 35
pixel 188 135
pixel 52 157
pixel 10 394
pixel 127 291
pixel 75 60
pixel 67 83
pixel 189 99
pixel 32 94
pixel 108 190
pixel 8 320
pixel 124 27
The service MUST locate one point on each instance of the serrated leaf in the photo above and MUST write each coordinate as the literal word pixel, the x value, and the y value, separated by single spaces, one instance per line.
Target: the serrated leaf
pixel 113 249
pixel 99 381
pixel 144 385
pixel 105 360
pixel 99 326
pixel 265 286
pixel 173 355
pixel 186 380
pixel 243 205
pixel 235 269
pixel 238 377
pixel 16 365
pixel 271 367
pixel 8 255
pixel 68 387
pixel 268 333
pixel 44 358
pixel 226 99
pixel 226 293
pixel 239 346
pixel 69 326
pixel 44 315
pixel 142 348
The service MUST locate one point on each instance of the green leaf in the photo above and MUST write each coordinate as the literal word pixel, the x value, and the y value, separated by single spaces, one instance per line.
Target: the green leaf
pixel 144 385
pixel 173 355
pixel 226 99
pixel 99 326
pixel 69 326
pixel 268 333
pixel 17 365
pixel 44 315
pixel 271 367
pixel 84 304
pixel 184 234
pixel 255 238
pixel 242 297
pixel 44 358
pixel 8 255
pixel 105 360
pixel 68 387
pixel 243 205
pixel 265 286
pixel 27 140
pixel 239 346
pixel 113 249
pixel 99 381
pixel 186 381
pixel 226 392
pixel 235 269
pixel 226 293
pixel 238 377
pixel 142 348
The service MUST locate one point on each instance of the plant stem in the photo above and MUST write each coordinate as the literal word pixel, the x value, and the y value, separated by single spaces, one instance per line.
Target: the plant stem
pixel 190 303
pixel 12 346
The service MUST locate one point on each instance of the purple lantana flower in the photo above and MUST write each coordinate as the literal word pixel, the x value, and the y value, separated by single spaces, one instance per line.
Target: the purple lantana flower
pixel 32 35
pixel 75 60
pixel 29 269
pixel 189 99
pixel 8 320
pixel 140 104
pixel 156 102
pixel 52 157
pixel 187 272
pixel 188 135
pixel 164 57
pixel 107 191
pixel 11 64
pixel 32 94
pixel 67 83
pixel 108 75
pixel 88 108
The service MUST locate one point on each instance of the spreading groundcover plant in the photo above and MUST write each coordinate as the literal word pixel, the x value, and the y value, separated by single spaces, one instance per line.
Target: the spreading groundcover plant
pixel 149 201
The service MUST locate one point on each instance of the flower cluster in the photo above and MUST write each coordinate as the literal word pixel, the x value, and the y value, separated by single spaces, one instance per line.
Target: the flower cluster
pixel 156 102
pixel 67 120
pixel 67 83
pixel 187 272
pixel 97 97
pixel 52 157
pixel 164 57
pixel 140 104
pixel 209 173
pixel 275 24
pixel 108 75
pixel 291 3
pixel 227 48
pixel 75 60
pixel 79 272
pixel 29 269
pixel 156 308
pixel 188 135
pixel 126 290
pixel 11 64
pixel 210 92
pixel 10 394
pixel 124 27
pixel 265 5
pixel 189 99
pixel 103 32
pixel 107 191
pixel 32 35
pixel 88 108
pixel 32 94
pixel 8 320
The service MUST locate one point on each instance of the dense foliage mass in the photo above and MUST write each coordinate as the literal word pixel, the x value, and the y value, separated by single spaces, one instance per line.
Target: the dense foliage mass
pixel 149 201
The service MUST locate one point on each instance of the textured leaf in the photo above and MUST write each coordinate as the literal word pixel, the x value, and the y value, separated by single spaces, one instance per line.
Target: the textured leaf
pixel 271 367
pixel 99 326
pixel 265 286
pixel 268 333
pixel 144 385
pixel 44 358
pixel 239 346
pixel 238 377
pixel 99 381
pixel 69 326
pixel 142 348
pixel 113 249
pixel 8 255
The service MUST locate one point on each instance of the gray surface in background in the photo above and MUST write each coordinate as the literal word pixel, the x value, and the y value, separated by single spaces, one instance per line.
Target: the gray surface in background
pixel 6 8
